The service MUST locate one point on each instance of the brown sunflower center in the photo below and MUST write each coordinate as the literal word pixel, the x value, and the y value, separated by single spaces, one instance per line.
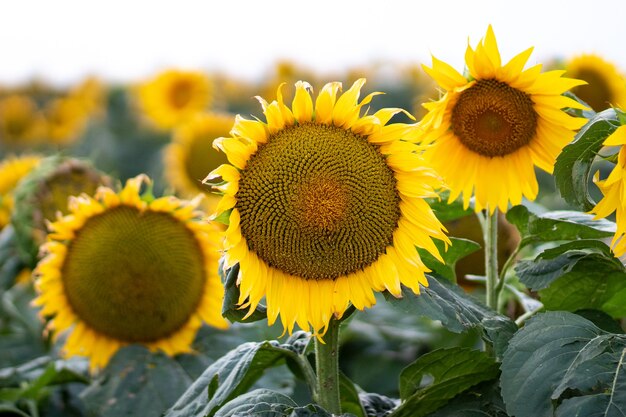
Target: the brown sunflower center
pixel 597 93
pixel 318 202
pixel 134 276
pixel 492 118
pixel 181 93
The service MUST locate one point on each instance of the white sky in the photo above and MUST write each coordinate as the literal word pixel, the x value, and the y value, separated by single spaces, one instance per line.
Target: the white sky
pixel 124 40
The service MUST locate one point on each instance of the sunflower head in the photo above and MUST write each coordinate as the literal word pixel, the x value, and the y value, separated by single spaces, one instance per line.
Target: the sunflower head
pixel 492 127
pixel 21 123
pixel 325 206
pixel 123 268
pixel 191 154
pixel 606 84
pixel 66 120
pixel 43 194
pixel 12 170
pixel 173 97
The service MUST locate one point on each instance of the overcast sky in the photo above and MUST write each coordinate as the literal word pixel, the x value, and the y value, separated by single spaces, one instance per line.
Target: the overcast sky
pixel 124 40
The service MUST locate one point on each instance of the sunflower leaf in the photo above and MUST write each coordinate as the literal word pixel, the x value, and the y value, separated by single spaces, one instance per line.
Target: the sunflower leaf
pixel 452 371
pixel 136 382
pixel 445 211
pixel 481 400
pixel 456 310
pixel 561 360
pixel 459 249
pixel 573 165
pixel 557 225
pixel 582 274
pixel 230 307
pixel 350 401
pixel 231 376
pixel 260 403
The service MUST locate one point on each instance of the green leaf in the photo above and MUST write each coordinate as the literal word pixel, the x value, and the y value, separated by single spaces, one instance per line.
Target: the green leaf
pixel 553 263
pixel 9 410
pixel 230 376
pixel 259 403
pixel 459 249
pixel 350 401
pixel 456 310
pixel 573 165
pixel 557 225
pixel 481 400
pixel 560 355
pixel 230 309
pixel 452 371
pixel 136 382
pixel 447 212
pixel 577 275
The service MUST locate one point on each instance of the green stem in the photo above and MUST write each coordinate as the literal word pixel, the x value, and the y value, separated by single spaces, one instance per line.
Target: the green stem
pixel 491 258
pixel 505 268
pixel 327 366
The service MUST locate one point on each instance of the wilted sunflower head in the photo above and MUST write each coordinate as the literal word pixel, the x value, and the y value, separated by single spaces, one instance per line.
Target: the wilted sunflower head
pixel 125 268
pixel 21 123
pixel 44 193
pixel 173 97
pixel 325 205
pixel 613 189
pixel 606 84
pixel 12 170
pixel 493 126
pixel 191 154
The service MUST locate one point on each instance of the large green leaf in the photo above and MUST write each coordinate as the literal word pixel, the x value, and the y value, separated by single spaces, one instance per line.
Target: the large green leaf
pixel 136 382
pixel 232 375
pixel 577 275
pixel 259 403
pixel 456 310
pixel 452 371
pixel 573 165
pixel 350 401
pixel 557 225
pixel 562 358
pixel 482 400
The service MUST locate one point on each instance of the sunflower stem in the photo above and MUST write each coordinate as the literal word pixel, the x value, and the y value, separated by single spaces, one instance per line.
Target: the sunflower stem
pixel 327 366
pixel 490 232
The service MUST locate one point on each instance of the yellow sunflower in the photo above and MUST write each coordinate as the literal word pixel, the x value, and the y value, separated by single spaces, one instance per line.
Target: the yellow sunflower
pixel 12 170
pixel 613 189
pixel 21 122
pixel 174 96
pixel 121 269
pixel 190 155
pixel 606 84
pixel 325 206
pixel 491 128
pixel 66 120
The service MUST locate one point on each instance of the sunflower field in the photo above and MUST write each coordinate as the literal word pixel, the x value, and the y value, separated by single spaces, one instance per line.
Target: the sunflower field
pixel 406 240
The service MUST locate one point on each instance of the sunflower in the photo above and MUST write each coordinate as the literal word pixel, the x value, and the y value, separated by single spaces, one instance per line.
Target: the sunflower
pixel 123 269
pixel 174 96
pixel 66 120
pixel 190 155
pixel 43 193
pixel 613 189
pixel 606 84
pixel 21 123
pixel 12 170
pixel 325 206
pixel 490 129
